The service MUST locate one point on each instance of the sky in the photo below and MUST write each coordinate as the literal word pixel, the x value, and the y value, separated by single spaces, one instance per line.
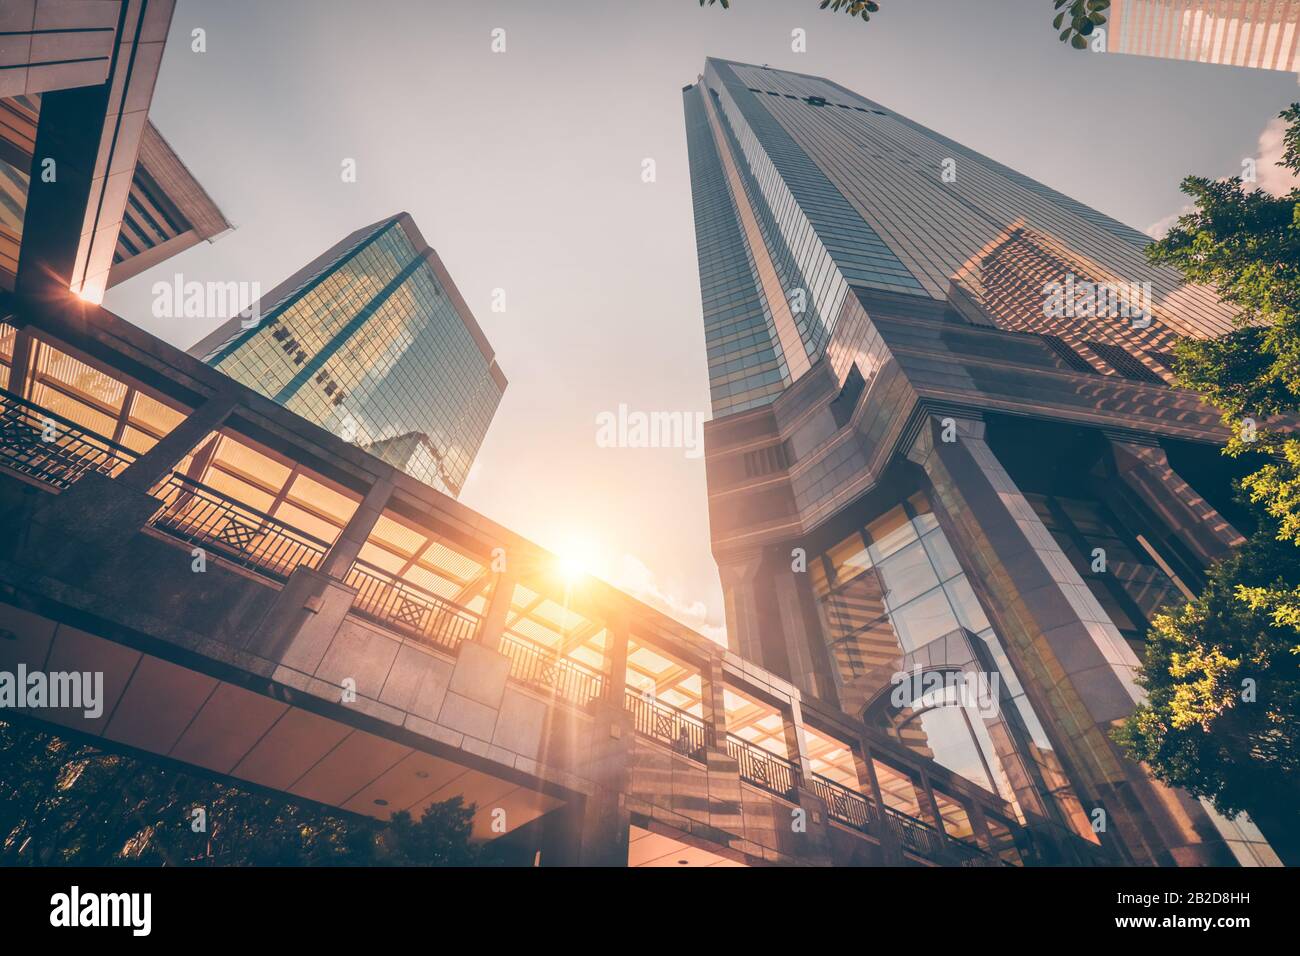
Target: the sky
pixel 524 169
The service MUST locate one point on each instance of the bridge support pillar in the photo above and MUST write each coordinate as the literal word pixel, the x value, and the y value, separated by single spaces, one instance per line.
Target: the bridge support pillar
pixel 338 561
pixel 494 617
pixel 303 621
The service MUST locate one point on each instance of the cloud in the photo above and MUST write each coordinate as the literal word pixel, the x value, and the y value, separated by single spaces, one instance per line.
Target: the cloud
pixel 633 576
pixel 1158 228
pixel 1273 178
pixel 1270 177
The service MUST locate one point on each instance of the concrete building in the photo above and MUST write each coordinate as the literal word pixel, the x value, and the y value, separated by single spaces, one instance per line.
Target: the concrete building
pixel 373 341
pixel 1264 34
pixel 96 61
pixel 945 443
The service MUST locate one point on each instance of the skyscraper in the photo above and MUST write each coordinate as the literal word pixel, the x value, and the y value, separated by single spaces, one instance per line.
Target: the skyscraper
pixel 1257 33
pixel 945 443
pixel 373 341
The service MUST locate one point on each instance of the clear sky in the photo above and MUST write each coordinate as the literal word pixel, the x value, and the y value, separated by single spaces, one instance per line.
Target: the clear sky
pixel 524 170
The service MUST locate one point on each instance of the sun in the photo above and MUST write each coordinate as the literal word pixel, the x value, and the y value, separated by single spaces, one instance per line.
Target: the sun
pixel 575 560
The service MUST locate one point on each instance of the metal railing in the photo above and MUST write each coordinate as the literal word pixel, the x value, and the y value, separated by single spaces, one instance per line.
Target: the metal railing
pixel 842 803
pixel 532 664
pixel 915 835
pixel 681 731
pixel 52 449
pixel 763 768
pixel 408 608
pixel 967 854
pixel 195 513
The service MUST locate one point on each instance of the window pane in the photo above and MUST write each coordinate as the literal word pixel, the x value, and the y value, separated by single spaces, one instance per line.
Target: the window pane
pixel 907 574
pixel 890 532
pixel 945 562
pixel 921 621
pixel 967 606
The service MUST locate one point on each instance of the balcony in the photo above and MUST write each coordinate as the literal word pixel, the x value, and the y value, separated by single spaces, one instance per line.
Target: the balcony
pixel 684 733
pixel 392 602
pixel 763 768
pixel 50 449
pixel 197 514
pixel 533 665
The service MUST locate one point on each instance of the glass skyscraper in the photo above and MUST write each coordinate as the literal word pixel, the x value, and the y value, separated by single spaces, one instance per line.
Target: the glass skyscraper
pixel 373 341
pixel 946 442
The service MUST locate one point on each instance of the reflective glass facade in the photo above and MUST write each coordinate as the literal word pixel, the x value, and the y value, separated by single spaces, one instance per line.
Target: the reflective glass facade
pixel 808 196
pixel 372 344
pixel 886 594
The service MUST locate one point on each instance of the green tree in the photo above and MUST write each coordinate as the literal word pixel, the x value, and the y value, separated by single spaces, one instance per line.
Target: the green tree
pixel 67 803
pixel 1202 728
pixel 854 8
pixel 1222 675
pixel 1079 17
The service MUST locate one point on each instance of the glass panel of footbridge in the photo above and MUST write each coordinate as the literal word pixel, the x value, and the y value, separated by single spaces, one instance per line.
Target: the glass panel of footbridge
pixel 414 580
pixel 68 414
pixel 246 503
pixel 555 640
pixel 666 698
pixel 757 739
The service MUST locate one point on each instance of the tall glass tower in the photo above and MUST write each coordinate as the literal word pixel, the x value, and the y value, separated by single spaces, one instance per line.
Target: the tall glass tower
pixel 945 442
pixel 373 341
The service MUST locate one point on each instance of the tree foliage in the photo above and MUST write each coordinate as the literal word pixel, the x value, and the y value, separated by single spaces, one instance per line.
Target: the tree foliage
pixel 68 803
pixel 1081 19
pixel 854 8
pixel 1222 672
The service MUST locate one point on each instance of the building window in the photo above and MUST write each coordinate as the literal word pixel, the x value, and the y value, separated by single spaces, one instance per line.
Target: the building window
pixel 846 401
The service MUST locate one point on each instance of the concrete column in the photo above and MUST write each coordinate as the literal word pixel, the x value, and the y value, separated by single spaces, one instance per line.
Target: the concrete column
pixel 890 846
pixel 714 706
pixel 494 618
pixel 617 637
pixel 739 574
pixel 338 560
pixel 795 744
pixel 20 367
pixel 147 470
pixel 1078 670
pixel 1146 472
pixel 802 637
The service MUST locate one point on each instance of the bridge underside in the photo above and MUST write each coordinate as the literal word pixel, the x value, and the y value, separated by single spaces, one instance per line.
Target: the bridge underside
pixel 263 737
